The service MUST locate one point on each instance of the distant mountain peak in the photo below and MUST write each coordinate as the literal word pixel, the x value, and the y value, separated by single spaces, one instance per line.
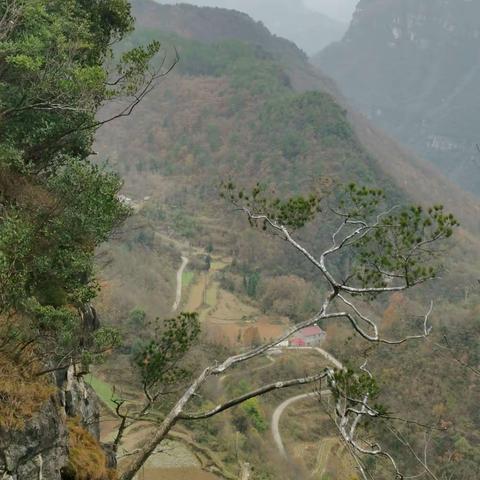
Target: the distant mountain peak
pixel 412 66
pixel 310 30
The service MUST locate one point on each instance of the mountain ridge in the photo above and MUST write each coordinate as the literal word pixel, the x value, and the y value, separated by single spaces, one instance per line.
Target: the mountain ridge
pixel 309 29
pixel 412 68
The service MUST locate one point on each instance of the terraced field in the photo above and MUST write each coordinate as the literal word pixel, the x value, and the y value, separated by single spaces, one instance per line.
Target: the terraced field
pixel 225 316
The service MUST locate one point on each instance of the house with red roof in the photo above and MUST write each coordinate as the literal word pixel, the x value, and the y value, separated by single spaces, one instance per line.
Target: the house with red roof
pixel 308 337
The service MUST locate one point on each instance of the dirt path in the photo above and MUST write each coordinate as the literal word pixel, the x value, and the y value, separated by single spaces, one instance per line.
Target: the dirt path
pixel 277 414
pixel 328 356
pixel 180 271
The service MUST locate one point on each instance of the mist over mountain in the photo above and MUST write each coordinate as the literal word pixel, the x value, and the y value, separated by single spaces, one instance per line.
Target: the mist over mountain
pixel 339 9
pixel 413 68
pixel 307 26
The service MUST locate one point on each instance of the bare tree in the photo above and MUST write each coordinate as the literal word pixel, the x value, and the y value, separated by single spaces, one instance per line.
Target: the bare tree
pixel 392 250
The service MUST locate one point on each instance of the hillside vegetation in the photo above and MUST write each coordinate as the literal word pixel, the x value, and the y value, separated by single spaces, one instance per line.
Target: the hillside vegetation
pixel 56 208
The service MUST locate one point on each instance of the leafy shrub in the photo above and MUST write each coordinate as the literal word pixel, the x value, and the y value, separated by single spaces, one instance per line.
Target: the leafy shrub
pixel 252 408
pixel 137 318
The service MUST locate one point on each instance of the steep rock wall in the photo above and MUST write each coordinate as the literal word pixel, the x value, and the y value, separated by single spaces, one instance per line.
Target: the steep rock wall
pixel 40 451
pixel 412 66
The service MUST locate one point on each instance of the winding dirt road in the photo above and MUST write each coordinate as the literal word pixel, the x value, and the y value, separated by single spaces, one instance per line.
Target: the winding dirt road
pixel 277 437
pixel 277 414
pixel 328 356
pixel 178 297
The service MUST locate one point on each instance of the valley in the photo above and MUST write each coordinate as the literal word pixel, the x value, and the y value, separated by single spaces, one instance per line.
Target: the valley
pixel 211 115
pixel 229 321
pixel 214 267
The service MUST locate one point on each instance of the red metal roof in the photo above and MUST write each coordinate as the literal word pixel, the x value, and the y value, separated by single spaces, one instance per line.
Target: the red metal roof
pixel 311 331
pixel 297 342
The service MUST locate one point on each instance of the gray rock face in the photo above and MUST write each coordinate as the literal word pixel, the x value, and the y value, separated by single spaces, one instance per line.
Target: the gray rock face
pixel 41 450
pixel 412 66
pixel 79 400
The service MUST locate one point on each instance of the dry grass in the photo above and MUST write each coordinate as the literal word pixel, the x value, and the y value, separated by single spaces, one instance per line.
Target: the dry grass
pixel 22 393
pixel 87 460
pixel 23 191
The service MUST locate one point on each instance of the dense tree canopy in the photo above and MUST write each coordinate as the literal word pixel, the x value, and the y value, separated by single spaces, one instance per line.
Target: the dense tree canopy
pixel 57 68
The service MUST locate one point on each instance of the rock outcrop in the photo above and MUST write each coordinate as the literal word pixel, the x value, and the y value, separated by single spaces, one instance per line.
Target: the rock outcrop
pixel 40 450
pixel 412 66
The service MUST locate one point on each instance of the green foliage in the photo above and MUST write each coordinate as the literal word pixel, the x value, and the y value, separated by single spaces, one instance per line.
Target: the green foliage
pixel 137 318
pixel 403 242
pixel 56 206
pixel 47 250
pixel 53 79
pixel 293 145
pixel 360 202
pixel 356 386
pixel 252 409
pixel 101 342
pixel 160 360
pixel 250 282
pixel 250 68
pixel 58 328
pixel 292 120
pixel 294 212
pixel 184 224
pixel 145 237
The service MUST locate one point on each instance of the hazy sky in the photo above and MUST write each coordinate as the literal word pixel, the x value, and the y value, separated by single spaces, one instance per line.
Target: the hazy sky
pixel 339 9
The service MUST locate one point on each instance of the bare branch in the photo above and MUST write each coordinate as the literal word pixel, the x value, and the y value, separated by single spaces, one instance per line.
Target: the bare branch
pixel 376 338
pixel 255 393
pixel 349 412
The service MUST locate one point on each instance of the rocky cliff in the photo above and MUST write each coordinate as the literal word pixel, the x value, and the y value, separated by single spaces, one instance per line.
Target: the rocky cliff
pixel 52 442
pixel 40 450
pixel 413 67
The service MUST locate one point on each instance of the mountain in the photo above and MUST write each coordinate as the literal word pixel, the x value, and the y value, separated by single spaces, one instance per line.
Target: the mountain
pixel 412 66
pixel 309 29
pixel 245 105
pixel 233 73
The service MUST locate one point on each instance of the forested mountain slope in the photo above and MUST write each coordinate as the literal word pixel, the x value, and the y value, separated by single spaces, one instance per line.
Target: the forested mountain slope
pixel 268 81
pixel 93 270
pixel 413 68
pixel 252 110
